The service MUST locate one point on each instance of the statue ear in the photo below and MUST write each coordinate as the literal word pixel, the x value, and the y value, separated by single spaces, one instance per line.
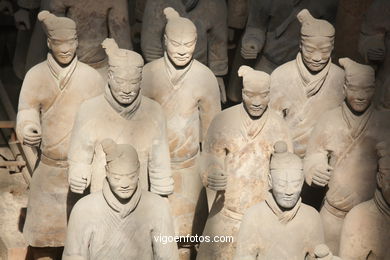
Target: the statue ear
pixel 379 179
pixel 270 180
pixel 48 43
pixel 165 41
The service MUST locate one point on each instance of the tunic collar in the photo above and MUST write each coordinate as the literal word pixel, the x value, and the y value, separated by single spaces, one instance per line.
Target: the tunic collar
pixel 251 128
pixel 311 83
pixel 123 209
pixel 60 74
pixel 283 216
pixel 381 204
pixel 356 124
pixel 125 112
pixel 175 76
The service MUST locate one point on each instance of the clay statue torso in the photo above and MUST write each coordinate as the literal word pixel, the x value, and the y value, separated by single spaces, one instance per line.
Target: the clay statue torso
pixel 288 97
pixel 96 20
pixel 188 107
pixel 365 233
pixel 352 154
pixel 43 102
pixel 145 130
pixel 262 236
pixel 97 231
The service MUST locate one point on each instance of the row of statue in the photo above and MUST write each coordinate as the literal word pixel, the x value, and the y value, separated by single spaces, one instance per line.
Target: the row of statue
pixel 129 151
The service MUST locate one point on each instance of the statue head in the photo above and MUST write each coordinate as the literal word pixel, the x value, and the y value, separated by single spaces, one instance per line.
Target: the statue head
pixel 286 176
pixel 122 168
pixel 180 38
pixel 124 72
pixel 61 36
pixel 359 85
pixel 383 176
pixel 317 41
pixel 255 92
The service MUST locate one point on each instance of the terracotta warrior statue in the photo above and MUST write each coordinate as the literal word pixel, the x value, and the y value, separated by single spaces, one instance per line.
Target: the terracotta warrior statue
pixel 272 29
pixel 311 84
pixel 236 155
pixel 122 221
pixel 341 153
pixel 281 227
pixel 210 19
pixel 365 233
pixel 51 94
pixel 189 95
pixel 374 46
pixel 125 116
pixel 96 20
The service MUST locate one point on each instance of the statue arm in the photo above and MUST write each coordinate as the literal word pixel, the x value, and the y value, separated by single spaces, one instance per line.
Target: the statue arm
pixel 213 154
pixel 159 167
pixel 164 250
pixel 81 152
pixel 218 39
pixel 256 29
pixel 209 106
pixel 78 235
pixel 118 24
pixel 28 124
pixel 317 155
pixel 373 31
pixel 152 31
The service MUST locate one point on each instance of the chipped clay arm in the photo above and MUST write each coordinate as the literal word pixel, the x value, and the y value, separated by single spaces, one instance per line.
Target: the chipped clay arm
pixel 152 30
pixel 209 107
pixel 159 168
pixel 81 149
pixel 316 153
pixel 164 228
pixel 118 24
pixel 214 153
pixel 256 27
pixel 29 107
pixel 217 41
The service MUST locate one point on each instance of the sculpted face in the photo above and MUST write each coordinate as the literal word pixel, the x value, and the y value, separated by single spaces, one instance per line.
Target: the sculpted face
pixel 255 98
pixel 286 187
pixel 359 98
pixel 124 86
pixel 316 51
pixel 123 185
pixel 180 46
pixel 63 49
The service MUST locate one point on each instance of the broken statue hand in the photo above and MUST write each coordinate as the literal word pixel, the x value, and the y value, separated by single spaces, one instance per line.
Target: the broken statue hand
pixel 252 43
pixel 32 135
pixel 322 174
pixel 217 181
pixel 322 252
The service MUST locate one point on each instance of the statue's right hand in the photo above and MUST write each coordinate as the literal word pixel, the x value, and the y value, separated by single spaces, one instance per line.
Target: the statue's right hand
pixel 78 184
pixel 250 48
pixel 322 174
pixel 217 181
pixel 32 135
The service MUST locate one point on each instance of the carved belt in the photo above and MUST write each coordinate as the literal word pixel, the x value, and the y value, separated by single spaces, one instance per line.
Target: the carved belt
pixel 333 210
pixel 55 163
